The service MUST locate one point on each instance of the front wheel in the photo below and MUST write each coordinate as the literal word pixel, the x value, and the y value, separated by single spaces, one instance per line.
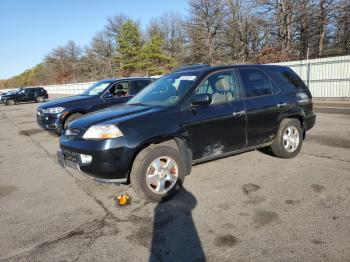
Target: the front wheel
pixel 10 102
pixel 157 173
pixel 289 139
pixel 70 119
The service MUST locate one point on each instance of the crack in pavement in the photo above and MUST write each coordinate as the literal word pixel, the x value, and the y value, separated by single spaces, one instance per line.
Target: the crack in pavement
pixel 327 157
pixel 90 230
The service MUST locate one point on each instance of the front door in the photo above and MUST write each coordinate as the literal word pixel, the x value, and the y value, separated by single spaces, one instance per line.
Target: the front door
pixel 220 127
pixel 23 95
pixel 117 94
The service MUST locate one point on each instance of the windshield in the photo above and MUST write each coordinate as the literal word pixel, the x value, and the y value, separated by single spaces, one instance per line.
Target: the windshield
pixel 97 88
pixel 166 91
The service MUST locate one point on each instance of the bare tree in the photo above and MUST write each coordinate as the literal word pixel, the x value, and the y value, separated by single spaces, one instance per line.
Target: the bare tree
pixel 342 25
pixel 73 55
pixel 102 52
pixel 169 26
pixel 205 29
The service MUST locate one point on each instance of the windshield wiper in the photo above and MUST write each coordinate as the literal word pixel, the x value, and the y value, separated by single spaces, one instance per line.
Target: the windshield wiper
pixel 137 104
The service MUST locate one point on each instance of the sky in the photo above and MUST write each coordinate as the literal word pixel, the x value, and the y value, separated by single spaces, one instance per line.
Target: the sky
pixel 29 29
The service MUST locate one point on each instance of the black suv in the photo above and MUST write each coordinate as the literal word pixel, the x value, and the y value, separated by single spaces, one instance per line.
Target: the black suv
pixel 30 94
pixel 187 117
pixel 56 114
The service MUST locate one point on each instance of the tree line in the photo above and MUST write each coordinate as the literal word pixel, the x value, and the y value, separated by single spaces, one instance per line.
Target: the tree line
pixel 213 32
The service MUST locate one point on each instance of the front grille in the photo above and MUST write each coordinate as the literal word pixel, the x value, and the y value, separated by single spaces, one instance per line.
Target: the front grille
pixel 71 133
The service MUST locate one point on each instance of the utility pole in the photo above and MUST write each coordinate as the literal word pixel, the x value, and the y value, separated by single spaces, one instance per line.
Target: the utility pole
pixel 308 66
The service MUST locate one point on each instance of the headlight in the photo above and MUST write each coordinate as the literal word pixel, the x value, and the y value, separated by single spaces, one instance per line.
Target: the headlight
pixel 102 132
pixel 54 110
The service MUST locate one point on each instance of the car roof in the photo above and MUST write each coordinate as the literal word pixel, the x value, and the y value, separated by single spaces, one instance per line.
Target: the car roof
pixel 127 78
pixel 209 69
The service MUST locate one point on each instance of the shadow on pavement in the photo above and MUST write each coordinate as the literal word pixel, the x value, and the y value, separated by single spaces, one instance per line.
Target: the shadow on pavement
pixel 175 237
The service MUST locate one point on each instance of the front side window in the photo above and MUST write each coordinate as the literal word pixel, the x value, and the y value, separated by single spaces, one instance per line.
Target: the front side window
pixel 166 91
pixel 120 89
pixel 255 83
pixel 97 89
pixel 222 86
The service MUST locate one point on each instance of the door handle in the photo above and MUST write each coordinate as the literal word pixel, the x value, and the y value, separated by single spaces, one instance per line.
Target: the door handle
pixel 281 104
pixel 239 113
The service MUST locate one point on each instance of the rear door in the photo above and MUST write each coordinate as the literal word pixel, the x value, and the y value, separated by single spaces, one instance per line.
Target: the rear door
pixel 264 103
pixel 220 127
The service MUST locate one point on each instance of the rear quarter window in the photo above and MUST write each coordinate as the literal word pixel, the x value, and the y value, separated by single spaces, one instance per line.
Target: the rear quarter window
pixel 288 78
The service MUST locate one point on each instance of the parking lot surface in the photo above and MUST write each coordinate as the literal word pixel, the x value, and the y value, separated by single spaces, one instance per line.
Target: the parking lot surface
pixel 248 207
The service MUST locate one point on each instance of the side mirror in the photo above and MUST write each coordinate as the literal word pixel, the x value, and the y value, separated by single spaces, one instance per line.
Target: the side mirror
pixel 201 100
pixel 107 95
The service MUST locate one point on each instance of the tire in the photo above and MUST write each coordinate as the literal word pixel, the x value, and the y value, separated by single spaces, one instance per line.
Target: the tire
pixel 289 139
pixel 10 102
pixel 70 119
pixel 142 169
pixel 40 99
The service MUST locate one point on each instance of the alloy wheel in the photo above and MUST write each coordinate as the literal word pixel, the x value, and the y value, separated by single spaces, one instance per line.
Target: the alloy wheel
pixel 291 139
pixel 162 175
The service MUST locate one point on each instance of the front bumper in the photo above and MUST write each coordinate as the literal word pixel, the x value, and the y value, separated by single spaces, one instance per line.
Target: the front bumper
pixel 52 123
pixel 111 158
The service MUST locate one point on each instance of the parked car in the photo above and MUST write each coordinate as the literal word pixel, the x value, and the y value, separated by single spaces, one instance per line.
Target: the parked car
pixel 56 114
pixel 29 94
pixel 189 117
pixel 5 93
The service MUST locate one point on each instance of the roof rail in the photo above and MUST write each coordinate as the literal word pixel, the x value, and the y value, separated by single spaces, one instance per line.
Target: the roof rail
pixel 190 67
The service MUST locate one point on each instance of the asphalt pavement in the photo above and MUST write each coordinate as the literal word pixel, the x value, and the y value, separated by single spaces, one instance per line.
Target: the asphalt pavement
pixel 248 207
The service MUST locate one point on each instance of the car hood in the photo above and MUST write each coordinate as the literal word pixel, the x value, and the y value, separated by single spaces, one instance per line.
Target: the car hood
pixel 8 95
pixel 63 101
pixel 114 115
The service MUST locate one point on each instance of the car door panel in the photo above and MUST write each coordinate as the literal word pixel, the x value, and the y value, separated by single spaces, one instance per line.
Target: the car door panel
pixel 220 127
pixel 262 118
pixel 264 104
pixel 21 96
pixel 216 130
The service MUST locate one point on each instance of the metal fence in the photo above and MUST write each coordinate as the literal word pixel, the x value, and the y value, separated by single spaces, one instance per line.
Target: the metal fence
pixel 72 89
pixel 325 77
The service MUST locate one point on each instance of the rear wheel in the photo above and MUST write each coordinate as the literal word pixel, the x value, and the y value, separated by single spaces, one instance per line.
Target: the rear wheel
pixel 289 139
pixel 40 99
pixel 157 173
pixel 70 119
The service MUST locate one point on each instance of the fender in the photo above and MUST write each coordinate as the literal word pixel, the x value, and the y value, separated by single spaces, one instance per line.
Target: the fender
pixel 295 112
pixel 182 142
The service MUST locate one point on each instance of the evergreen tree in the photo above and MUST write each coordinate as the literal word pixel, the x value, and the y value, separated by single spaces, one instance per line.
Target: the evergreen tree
pixel 129 47
pixel 154 60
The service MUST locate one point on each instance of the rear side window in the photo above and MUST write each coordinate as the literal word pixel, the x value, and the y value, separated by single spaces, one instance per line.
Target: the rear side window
pixel 255 82
pixel 288 78
pixel 139 85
